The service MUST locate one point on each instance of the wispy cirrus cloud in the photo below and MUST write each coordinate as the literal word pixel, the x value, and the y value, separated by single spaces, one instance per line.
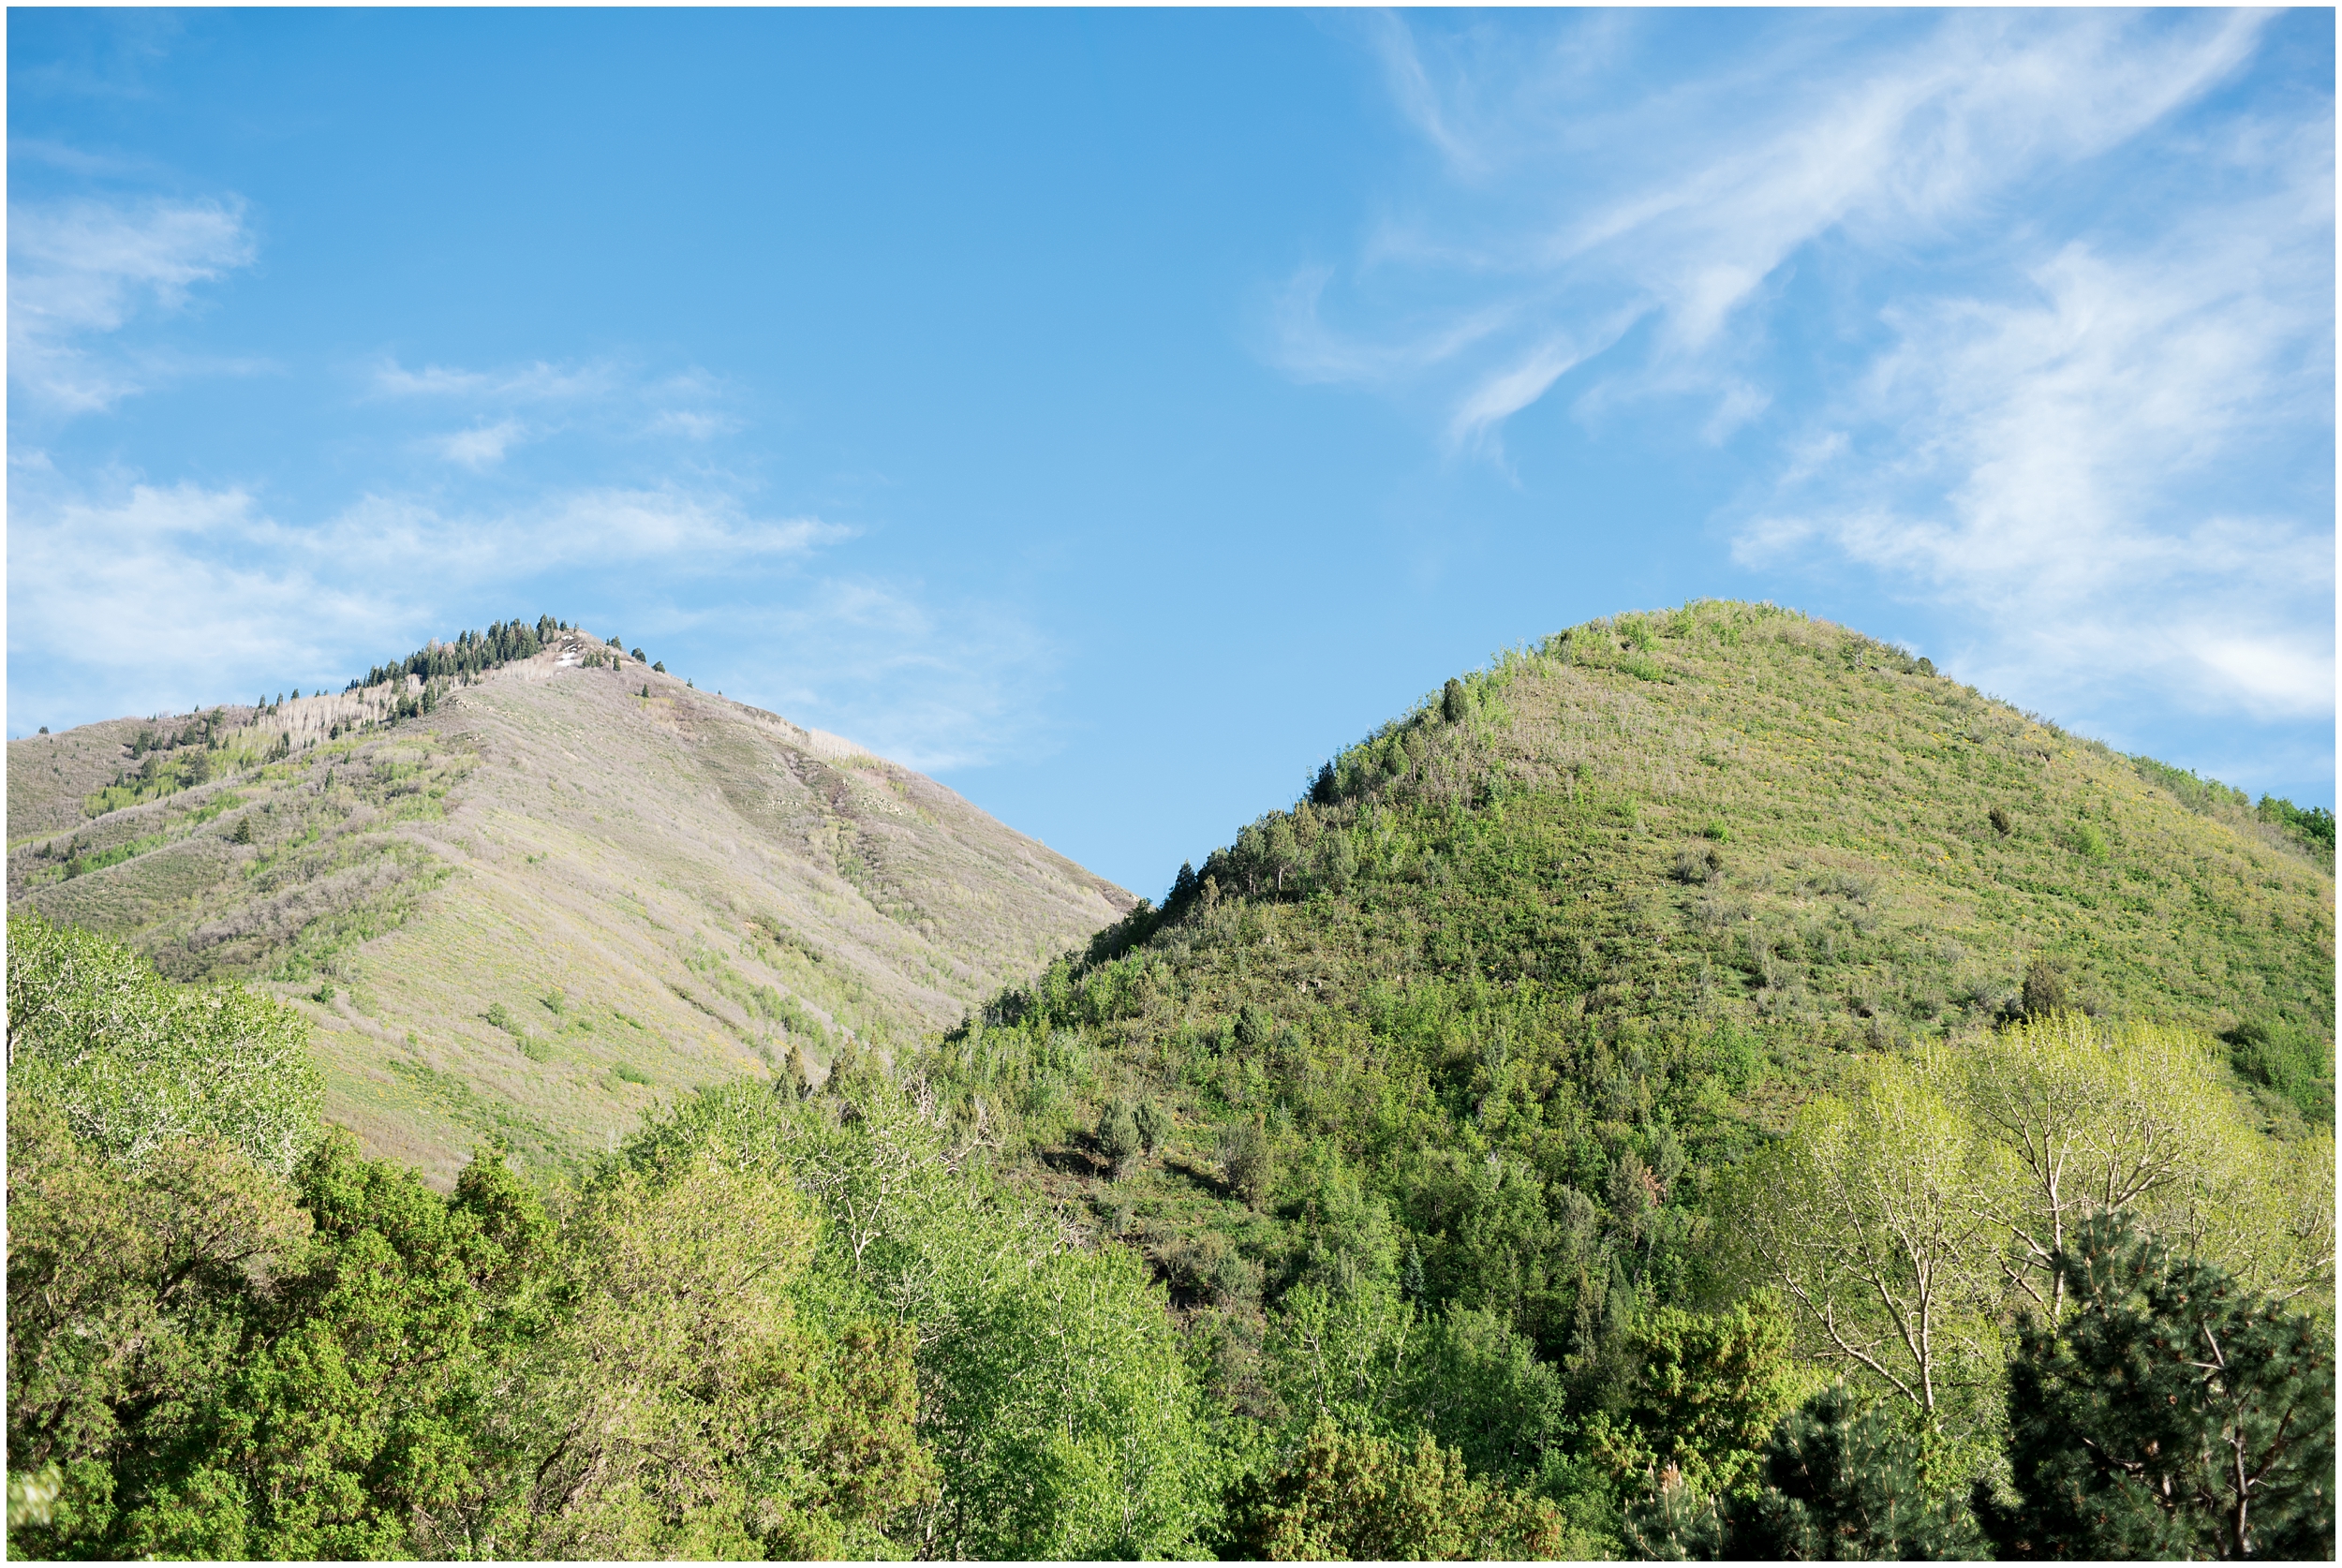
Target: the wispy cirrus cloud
pixel 2062 468
pixel 1574 215
pixel 483 446
pixel 539 382
pixel 2012 314
pixel 81 270
pixel 515 403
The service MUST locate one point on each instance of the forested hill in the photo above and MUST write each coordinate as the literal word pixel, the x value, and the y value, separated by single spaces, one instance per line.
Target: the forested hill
pixel 1482 1035
pixel 1732 815
pixel 526 885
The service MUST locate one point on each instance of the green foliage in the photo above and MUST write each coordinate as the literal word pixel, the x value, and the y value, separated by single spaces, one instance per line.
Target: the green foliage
pixel 1063 1419
pixel 1348 1496
pixel 2171 1413
pixel 471 654
pixel 2313 825
pixel 1248 1158
pixel 684 1407
pixel 134 1063
pixel 1838 1483
pixel 2288 1061
pixel 1118 1135
pixel 1710 1388
pixel 2045 995
pixel 123 1285
pixel 1155 1126
pixel 2204 796
pixel 1911 1217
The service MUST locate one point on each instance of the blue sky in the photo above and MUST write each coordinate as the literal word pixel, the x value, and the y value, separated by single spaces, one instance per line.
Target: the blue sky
pixel 1115 413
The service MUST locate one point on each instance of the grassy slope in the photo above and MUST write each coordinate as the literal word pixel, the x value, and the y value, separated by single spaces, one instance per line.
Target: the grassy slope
pixel 656 893
pixel 1537 982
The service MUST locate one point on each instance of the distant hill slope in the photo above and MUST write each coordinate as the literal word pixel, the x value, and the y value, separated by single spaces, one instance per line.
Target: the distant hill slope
pixel 546 900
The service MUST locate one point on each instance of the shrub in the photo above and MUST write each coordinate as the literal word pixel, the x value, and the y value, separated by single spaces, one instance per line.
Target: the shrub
pixel 1696 864
pixel 1352 1496
pixel 1118 1136
pixel 1454 703
pixel 1155 1125
pixel 2290 1061
pixel 631 1074
pixel 2314 824
pixel 1254 1029
pixel 2044 988
pixel 2001 822
pixel 1246 1156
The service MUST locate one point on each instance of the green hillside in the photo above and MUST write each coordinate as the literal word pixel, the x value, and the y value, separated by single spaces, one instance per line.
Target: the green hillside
pixel 1488 1020
pixel 526 887
pixel 1732 820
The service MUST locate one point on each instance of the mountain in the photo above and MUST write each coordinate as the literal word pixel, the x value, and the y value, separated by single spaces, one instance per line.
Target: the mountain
pixel 527 893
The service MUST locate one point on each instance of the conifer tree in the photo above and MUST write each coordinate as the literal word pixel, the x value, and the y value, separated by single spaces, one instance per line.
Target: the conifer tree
pixel 2171 1413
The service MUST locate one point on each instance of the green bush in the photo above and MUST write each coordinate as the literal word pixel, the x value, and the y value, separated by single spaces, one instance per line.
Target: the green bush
pixel 1155 1125
pixel 1246 1156
pixel 1118 1135
pixel 2313 825
pixel 2286 1059
pixel 1454 701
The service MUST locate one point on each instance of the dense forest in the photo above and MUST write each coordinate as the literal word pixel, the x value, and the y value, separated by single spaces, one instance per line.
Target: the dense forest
pixel 1629 1136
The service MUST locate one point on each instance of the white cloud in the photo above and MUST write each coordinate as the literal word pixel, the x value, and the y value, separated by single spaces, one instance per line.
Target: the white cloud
pixel 221 598
pixel 539 382
pixel 935 684
pixel 692 424
pixel 483 446
pixel 1569 221
pixel 2054 466
pixel 79 272
pixel 2029 387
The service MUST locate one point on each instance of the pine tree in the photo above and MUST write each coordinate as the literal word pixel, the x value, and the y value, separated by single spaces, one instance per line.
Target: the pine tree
pixel 1839 1481
pixel 2172 1414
